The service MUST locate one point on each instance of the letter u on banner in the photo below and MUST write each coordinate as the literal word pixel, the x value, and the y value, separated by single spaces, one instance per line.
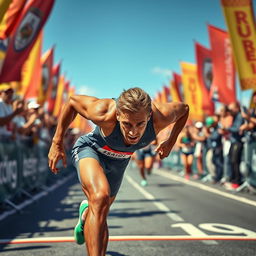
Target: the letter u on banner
pixel 241 27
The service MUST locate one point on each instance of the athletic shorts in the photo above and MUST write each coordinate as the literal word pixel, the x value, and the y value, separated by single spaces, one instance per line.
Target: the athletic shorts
pixel 114 169
pixel 141 154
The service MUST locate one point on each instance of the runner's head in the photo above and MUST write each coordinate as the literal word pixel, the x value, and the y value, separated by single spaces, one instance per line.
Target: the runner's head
pixel 133 112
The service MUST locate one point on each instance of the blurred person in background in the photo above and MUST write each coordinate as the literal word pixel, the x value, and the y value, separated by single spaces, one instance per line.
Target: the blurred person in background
pixel 236 145
pixel 214 156
pixel 187 148
pixel 144 159
pixel 225 121
pixel 8 110
pixel 199 138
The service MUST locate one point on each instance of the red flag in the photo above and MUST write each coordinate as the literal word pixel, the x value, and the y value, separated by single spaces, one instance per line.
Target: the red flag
pixel 204 72
pixel 223 65
pixel 30 23
pixel 54 86
pixel 177 83
pixel 47 66
pixel 11 17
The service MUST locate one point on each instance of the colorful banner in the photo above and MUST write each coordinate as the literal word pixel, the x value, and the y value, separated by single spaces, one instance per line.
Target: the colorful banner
pixel 58 101
pixel 54 87
pixel 30 23
pixel 32 72
pixel 223 66
pixel 4 5
pixel 176 88
pixel 11 17
pixel 205 76
pixel 192 91
pixel 46 66
pixel 165 94
pixel 241 26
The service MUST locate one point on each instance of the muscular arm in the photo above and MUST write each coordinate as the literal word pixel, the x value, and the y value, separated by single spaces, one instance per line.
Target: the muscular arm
pixel 171 113
pixel 100 111
pixel 91 108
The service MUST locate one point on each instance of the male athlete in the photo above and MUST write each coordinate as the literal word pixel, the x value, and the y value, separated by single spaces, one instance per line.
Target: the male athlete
pixel 122 126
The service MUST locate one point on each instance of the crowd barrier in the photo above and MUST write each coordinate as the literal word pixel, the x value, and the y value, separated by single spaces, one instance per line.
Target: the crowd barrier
pixel 23 168
pixel 247 165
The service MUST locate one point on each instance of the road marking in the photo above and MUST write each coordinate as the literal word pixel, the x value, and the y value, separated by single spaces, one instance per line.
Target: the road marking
pixel 159 205
pixel 70 239
pixel 204 187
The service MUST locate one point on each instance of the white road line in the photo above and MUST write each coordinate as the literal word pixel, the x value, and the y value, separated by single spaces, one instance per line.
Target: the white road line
pixel 70 239
pixel 204 187
pixel 160 206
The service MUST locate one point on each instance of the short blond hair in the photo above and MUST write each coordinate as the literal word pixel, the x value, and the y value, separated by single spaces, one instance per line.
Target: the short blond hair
pixel 133 100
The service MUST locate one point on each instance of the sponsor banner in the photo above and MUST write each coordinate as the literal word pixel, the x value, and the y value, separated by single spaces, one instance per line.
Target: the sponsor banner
pixel 46 67
pixel 205 76
pixel 241 26
pixel 30 23
pixel 192 91
pixel 223 83
pixel 11 17
pixel 54 87
pixel 176 88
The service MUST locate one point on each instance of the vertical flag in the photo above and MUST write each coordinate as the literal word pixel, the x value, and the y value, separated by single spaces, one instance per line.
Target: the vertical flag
pixel 165 94
pixel 46 66
pixel 11 17
pixel 31 71
pixel 204 73
pixel 59 95
pixel 175 88
pixel 223 66
pixel 192 90
pixel 31 21
pixel 4 5
pixel 53 90
pixel 241 27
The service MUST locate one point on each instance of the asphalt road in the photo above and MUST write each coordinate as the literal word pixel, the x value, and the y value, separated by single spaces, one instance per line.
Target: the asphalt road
pixel 171 216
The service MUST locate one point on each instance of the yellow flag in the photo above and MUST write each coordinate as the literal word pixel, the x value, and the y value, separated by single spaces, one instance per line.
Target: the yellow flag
pixel 31 71
pixel 4 5
pixel 173 91
pixel 58 102
pixel 192 90
pixel 241 27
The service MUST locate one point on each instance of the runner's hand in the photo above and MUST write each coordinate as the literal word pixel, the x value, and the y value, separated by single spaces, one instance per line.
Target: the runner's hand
pixel 164 149
pixel 56 153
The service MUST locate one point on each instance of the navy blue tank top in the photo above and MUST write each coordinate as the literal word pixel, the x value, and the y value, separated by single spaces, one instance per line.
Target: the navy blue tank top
pixel 113 145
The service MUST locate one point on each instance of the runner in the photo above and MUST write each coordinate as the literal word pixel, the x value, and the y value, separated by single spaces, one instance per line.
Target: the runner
pixel 122 126
pixel 144 159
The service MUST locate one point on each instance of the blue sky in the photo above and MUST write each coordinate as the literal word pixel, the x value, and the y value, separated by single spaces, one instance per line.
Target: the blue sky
pixel 109 45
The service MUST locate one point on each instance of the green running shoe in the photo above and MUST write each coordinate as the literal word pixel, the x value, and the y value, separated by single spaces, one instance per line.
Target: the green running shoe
pixel 79 228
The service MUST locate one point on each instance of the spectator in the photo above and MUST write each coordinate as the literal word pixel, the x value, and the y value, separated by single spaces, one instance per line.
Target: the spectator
pixel 7 111
pixel 186 144
pixel 236 145
pixel 214 159
pixel 225 121
pixel 199 137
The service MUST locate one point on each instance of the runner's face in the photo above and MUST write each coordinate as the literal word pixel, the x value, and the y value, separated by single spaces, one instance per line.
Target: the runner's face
pixel 133 125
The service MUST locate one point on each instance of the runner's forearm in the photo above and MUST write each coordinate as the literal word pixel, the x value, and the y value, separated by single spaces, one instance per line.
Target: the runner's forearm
pixel 68 114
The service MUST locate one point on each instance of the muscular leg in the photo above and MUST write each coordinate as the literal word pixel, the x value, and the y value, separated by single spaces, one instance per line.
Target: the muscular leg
pixel 141 166
pixel 149 161
pixel 97 191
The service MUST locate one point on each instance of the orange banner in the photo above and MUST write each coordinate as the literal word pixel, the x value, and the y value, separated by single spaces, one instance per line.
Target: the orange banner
pixel 46 66
pixel 31 71
pixel 192 91
pixel 175 88
pixel 11 17
pixel 51 99
pixel 59 95
pixel 241 27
